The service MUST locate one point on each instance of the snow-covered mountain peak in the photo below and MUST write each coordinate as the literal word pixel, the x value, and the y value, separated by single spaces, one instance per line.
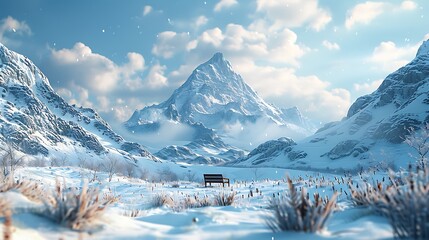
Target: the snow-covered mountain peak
pixel 24 71
pixel 214 94
pixel 36 120
pixel 216 97
pixel 423 49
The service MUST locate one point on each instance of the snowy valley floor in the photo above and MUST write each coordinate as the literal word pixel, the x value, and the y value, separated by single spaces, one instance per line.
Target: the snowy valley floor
pixel 245 219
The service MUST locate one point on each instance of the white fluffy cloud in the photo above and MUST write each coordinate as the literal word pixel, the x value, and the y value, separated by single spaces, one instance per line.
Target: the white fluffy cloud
pixel 365 13
pixel 223 4
pixel 156 78
pixel 368 87
pixel 283 87
pixel 281 47
pixel 94 71
pixel 390 57
pixel 169 43
pixel 201 21
pixel 408 5
pixel 10 25
pixel 89 79
pixel 147 9
pixel 293 13
pixel 330 45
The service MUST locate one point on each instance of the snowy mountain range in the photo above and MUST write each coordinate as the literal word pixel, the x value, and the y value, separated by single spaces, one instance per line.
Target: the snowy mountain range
pixel 215 97
pixel 37 121
pixel 373 131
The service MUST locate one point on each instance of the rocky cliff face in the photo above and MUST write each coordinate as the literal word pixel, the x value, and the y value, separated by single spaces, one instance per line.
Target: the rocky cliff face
pixel 36 120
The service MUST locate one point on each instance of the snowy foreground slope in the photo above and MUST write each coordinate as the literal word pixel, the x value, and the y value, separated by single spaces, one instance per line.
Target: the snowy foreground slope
pixel 37 121
pixel 372 133
pixel 245 219
pixel 221 112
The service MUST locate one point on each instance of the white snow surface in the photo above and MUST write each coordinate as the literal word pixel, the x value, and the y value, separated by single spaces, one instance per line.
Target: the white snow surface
pixel 245 219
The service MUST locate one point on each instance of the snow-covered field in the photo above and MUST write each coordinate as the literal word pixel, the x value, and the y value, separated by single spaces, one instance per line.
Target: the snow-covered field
pixel 245 219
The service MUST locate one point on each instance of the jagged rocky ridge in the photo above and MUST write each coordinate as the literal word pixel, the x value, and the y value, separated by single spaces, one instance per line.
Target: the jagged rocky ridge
pixel 374 122
pixel 36 120
pixel 213 96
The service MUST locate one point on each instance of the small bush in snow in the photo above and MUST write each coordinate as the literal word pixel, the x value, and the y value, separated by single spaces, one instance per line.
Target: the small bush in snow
pixel 365 194
pixel 162 199
pixel 30 189
pixel 77 211
pixel 297 212
pixel 405 203
pixel 166 175
pixel 224 199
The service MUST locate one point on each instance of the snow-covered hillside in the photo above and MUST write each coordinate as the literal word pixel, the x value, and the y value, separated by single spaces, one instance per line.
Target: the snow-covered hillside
pixel 219 99
pixel 36 120
pixel 373 131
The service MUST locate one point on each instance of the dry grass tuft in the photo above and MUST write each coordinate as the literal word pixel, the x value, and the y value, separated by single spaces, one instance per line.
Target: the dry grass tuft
pixel 224 199
pixel 297 212
pixel 162 199
pixel 404 201
pixel 75 211
pixel 31 189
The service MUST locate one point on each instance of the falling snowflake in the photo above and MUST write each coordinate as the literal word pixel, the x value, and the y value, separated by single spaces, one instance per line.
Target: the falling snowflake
pixel 13 29
pixel 103 30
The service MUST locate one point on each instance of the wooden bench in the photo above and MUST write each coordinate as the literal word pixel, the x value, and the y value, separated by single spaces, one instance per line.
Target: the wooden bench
pixel 215 178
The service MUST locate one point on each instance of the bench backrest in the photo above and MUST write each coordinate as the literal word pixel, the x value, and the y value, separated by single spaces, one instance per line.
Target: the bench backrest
pixel 212 176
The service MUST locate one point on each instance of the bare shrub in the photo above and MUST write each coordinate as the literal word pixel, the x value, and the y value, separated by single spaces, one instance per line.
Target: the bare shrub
pixel 111 166
pixel 94 167
pixel 37 161
pixel 419 141
pixel 365 194
pixel 77 211
pixel 7 184
pixel 111 197
pixel 205 202
pixel 32 190
pixel 405 203
pixel 166 175
pixel 10 160
pixel 162 199
pixel 191 176
pixel 129 169
pixel 143 174
pixel 59 161
pixel 224 199
pixel 298 213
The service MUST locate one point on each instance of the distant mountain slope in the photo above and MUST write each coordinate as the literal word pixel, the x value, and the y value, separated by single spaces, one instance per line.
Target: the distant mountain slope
pixel 375 125
pixel 214 95
pixel 36 120
pixel 217 98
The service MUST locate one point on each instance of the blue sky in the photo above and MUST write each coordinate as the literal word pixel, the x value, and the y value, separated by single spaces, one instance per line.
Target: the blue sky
pixel 118 56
